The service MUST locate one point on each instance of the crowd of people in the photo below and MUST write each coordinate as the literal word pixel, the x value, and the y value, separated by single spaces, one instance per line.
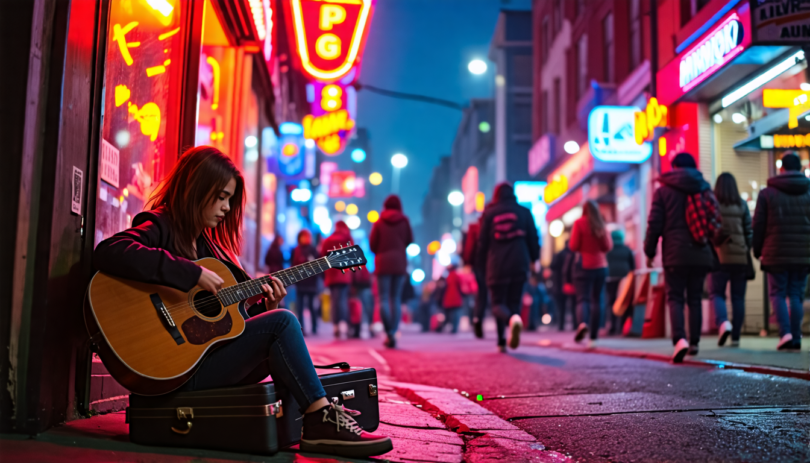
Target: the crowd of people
pixel 704 236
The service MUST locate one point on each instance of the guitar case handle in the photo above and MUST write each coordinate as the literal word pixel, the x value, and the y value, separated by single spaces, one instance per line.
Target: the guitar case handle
pixel 340 365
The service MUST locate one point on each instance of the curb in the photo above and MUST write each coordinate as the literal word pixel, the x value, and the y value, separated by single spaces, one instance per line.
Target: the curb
pixel 761 369
pixel 487 437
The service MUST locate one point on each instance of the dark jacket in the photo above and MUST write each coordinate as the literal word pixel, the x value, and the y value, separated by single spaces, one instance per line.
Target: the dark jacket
pixel 668 221
pixel 340 238
pixel 558 268
pixel 734 239
pixel 620 261
pixel 508 242
pixel 470 245
pixel 146 253
pixel 300 255
pixel 274 259
pixel 389 237
pixel 782 223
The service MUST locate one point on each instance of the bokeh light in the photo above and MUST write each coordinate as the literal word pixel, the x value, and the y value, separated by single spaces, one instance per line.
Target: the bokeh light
pixel 373 216
pixel 340 206
pixel 375 178
pixel 351 209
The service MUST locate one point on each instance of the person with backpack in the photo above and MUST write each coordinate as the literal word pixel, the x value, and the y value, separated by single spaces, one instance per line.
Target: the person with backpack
pixel 508 243
pixel 733 245
pixel 782 244
pixel 685 215
pixel 591 240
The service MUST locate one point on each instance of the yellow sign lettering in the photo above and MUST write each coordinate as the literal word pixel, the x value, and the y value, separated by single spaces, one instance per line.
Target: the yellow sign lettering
pixel 328 46
pixel 653 116
pixel 791 141
pixel 555 189
pixel 796 100
pixel 120 36
pixel 331 15
pixel 331 98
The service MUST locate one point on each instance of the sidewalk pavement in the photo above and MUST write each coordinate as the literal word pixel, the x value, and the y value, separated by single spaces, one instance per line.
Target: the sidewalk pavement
pixel 755 354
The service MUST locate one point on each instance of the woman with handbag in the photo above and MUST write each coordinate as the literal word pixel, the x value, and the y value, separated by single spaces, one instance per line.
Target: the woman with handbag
pixel 733 247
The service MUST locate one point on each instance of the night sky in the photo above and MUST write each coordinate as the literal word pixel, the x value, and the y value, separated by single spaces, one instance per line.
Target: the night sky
pixel 423 46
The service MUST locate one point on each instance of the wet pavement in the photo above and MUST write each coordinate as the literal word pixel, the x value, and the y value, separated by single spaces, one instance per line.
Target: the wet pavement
pixel 609 408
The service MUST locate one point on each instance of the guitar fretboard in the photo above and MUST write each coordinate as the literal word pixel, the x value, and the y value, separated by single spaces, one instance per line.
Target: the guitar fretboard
pixel 290 276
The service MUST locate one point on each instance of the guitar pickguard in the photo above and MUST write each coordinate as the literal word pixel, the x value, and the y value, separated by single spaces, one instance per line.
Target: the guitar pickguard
pixel 199 331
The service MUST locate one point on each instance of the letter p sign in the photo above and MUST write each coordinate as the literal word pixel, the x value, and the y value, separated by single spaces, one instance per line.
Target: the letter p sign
pixel 331 15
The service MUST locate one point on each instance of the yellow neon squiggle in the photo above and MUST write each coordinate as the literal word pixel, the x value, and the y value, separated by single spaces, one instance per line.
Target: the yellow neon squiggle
pixel 215 70
pixel 300 36
pixel 166 35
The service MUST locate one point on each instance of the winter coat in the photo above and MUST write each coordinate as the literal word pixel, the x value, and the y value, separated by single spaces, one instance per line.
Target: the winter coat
pixel 620 261
pixel 557 270
pixel 145 253
pixel 452 298
pixel 782 223
pixel 735 233
pixel 470 245
pixel 337 240
pixel 508 242
pixel 667 220
pixel 592 248
pixel 389 237
pixel 300 255
pixel 274 259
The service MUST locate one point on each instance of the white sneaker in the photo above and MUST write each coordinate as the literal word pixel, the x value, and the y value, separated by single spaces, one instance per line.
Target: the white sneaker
pixel 681 348
pixel 515 327
pixel 734 344
pixel 786 342
pixel 725 332
pixel 582 330
pixel 591 344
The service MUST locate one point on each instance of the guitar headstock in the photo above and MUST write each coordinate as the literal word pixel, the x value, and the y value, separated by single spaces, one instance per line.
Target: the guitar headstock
pixel 348 257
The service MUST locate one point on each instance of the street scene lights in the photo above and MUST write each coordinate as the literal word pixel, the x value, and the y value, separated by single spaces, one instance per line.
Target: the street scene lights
pixel 456 198
pixel 477 67
pixel 398 161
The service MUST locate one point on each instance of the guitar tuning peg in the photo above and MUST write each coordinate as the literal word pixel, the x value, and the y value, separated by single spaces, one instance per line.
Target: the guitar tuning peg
pixel 343 271
pixel 354 269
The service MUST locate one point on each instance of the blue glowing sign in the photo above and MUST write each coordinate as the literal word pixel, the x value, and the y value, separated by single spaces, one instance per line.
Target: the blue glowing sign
pixel 290 128
pixel 611 135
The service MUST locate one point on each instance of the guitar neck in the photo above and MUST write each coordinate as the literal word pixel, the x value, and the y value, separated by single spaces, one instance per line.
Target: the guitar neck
pixel 289 276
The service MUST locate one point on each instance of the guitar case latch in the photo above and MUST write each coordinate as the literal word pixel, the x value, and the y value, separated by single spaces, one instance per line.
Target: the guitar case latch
pixel 184 414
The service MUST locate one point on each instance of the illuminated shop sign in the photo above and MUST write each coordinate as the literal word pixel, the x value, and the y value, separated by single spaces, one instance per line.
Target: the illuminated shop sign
pixel 611 135
pixel 557 187
pixel 342 184
pixel 719 47
pixel 796 100
pixel 798 140
pixel 331 122
pixel 330 35
pixel 655 115
pixel 289 151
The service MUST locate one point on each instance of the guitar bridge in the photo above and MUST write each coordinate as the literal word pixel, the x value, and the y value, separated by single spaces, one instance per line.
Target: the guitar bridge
pixel 166 318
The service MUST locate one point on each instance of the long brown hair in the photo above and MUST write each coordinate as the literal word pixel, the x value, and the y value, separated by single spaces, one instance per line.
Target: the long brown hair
pixel 196 180
pixel 725 189
pixel 591 211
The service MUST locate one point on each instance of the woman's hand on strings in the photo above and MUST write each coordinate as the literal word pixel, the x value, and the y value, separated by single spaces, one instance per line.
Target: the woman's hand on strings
pixel 210 281
pixel 274 292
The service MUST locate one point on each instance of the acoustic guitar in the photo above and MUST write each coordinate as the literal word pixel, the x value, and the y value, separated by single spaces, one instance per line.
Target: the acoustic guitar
pixel 152 338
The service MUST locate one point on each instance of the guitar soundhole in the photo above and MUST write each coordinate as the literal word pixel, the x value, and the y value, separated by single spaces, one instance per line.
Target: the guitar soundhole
pixel 207 304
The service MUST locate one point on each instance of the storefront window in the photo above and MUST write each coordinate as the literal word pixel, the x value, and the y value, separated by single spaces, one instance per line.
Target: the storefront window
pixel 250 166
pixel 141 94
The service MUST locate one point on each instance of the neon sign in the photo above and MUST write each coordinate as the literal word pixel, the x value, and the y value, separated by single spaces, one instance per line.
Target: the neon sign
pixel 611 135
pixel 718 48
pixel 646 121
pixel 330 35
pixel 555 189
pixel 796 100
pixel 326 130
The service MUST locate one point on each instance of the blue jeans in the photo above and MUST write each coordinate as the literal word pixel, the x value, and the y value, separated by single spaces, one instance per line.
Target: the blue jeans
pixel 590 285
pixel 690 280
pixel 367 299
pixel 451 317
pixel 300 302
pixel 788 285
pixel 339 295
pixel 389 288
pixel 272 344
pixel 719 280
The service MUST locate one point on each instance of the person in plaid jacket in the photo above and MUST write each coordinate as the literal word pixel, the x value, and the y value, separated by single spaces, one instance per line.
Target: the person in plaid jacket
pixel 686 253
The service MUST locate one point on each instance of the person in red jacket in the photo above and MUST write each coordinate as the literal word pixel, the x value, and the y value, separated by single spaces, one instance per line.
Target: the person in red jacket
pixel 337 281
pixel 389 237
pixel 591 240
pixel 452 300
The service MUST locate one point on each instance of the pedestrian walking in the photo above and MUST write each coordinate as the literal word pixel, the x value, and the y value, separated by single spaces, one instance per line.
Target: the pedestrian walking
pixel 337 281
pixel 562 299
pixel 306 290
pixel 452 300
pixel 684 214
pixel 782 244
pixel 479 270
pixel 733 248
pixel 389 237
pixel 590 239
pixel 274 259
pixel 620 263
pixel 508 243
pixel 361 282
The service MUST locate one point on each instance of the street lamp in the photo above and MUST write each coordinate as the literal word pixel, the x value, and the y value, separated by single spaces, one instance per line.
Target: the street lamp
pixel 477 67
pixel 456 198
pixel 399 161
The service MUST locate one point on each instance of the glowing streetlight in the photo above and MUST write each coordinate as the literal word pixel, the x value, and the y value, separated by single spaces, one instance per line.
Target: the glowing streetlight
pixel 399 160
pixel 477 66
pixel 571 147
pixel 456 198
pixel 413 249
